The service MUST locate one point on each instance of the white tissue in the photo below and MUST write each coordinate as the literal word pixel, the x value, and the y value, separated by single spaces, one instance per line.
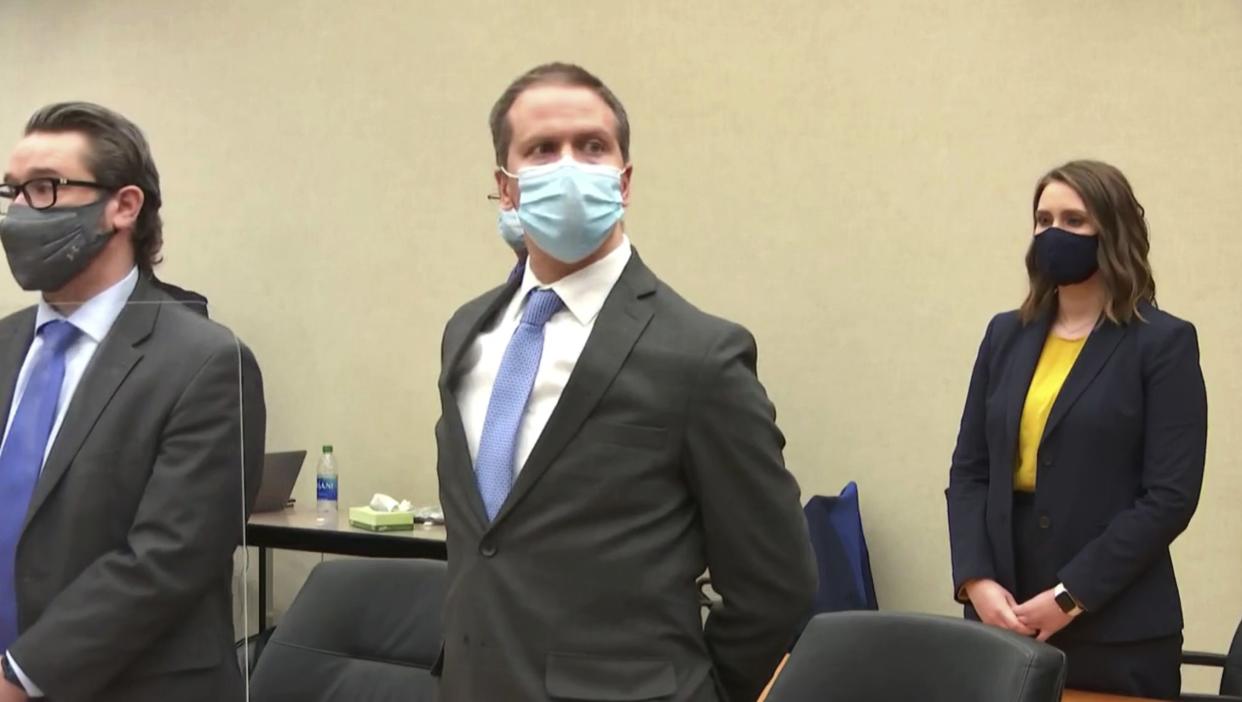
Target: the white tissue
pixel 383 503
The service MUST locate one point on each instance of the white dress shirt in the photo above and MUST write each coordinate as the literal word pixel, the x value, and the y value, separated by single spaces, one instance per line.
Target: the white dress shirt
pixel 93 319
pixel 564 337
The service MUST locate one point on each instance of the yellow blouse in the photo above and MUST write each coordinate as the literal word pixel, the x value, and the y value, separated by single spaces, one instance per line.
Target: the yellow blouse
pixel 1053 368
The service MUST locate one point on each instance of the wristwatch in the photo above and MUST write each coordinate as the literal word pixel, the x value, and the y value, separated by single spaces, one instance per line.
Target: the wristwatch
pixel 10 675
pixel 1066 601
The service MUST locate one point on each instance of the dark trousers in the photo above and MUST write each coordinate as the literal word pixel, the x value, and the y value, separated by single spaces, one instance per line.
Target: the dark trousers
pixel 1150 668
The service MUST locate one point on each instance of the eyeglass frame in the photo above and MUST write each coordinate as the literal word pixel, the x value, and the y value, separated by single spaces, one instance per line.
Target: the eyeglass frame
pixel 57 184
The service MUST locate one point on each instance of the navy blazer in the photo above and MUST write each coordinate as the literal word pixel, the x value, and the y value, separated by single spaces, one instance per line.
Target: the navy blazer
pixel 1119 469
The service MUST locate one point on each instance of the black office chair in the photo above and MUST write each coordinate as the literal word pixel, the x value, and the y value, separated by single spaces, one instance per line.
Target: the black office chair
pixel 870 656
pixel 1230 675
pixel 359 630
pixel 249 648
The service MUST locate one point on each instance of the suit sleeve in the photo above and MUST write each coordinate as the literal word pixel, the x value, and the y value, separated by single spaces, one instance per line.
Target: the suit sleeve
pixel 758 551
pixel 180 544
pixel 967 494
pixel 1174 450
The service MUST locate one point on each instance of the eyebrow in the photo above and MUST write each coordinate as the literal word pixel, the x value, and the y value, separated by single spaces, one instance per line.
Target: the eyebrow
pixel 1067 211
pixel 592 133
pixel 34 173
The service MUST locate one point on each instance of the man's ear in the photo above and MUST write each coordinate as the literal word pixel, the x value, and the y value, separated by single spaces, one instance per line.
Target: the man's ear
pixel 125 207
pixel 626 175
pixel 506 187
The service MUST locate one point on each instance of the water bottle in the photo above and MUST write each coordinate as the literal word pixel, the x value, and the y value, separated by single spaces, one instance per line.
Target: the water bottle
pixel 326 487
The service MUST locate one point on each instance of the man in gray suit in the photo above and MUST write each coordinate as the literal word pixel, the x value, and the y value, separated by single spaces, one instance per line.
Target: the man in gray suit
pixel 601 442
pixel 134 439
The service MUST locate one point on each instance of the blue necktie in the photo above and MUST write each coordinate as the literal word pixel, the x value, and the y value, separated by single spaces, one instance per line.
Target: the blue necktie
pixel 493 466
pixel 21 460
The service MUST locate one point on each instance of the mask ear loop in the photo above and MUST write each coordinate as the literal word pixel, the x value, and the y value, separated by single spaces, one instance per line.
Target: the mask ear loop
pixel 514 176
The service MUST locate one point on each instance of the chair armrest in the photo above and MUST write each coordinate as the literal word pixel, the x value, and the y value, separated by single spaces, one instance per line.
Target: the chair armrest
pixel 1215 660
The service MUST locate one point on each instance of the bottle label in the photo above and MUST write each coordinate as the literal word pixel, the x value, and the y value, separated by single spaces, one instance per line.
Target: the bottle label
pixel 325 488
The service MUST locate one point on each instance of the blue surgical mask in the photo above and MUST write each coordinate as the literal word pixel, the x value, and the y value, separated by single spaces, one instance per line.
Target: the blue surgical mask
pixel 569 208
pixel 510 227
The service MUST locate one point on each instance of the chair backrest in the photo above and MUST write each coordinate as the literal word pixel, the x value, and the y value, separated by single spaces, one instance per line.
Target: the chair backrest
pixel 870 656
pixel 1231 677
pixel 359 630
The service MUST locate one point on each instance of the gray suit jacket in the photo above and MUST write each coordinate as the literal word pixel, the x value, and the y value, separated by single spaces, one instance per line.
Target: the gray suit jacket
pixel 661 458
pixel 124 566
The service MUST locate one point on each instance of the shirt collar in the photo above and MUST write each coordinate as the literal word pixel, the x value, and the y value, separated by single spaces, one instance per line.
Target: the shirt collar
pixel 584 291
pixel 96 316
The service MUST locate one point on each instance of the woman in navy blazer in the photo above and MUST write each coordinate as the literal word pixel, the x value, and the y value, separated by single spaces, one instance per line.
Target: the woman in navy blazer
pixel 1081 448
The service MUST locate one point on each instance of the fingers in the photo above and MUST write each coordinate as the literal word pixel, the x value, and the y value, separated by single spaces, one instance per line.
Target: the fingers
pixel 1003 617
pixel 1016 624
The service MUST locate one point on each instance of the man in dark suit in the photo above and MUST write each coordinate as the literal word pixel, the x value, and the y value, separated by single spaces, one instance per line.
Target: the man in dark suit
pixel 189 298
pixel 134 440
pixel 602 441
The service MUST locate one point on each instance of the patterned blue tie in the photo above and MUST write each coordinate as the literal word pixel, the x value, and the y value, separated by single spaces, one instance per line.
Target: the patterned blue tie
pixel 493 466
pixel 21 460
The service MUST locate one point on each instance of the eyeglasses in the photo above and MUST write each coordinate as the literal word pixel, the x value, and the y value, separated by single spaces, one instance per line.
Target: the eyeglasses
pixel 42 193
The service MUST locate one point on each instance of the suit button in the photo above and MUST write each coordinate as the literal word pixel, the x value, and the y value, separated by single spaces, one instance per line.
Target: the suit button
pixel 487 549
pixel 1047 462
pixel 1044 522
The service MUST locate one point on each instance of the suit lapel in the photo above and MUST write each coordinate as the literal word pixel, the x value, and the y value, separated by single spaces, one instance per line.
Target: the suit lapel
pixel 474 319
pixel 1029 346
pixel 112 362
pixel 621 322
pixel 14 345
pixel 1095 353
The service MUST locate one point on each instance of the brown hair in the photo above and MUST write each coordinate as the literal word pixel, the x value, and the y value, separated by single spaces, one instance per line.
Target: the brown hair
pixel 556 74
pixel 119 156
pixel 1123 242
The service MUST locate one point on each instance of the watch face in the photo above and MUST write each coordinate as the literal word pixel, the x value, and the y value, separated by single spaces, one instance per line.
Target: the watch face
pixel 1066 602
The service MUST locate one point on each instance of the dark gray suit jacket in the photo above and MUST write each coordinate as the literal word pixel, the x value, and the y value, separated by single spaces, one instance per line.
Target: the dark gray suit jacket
pixel 124 566
pixel 661 458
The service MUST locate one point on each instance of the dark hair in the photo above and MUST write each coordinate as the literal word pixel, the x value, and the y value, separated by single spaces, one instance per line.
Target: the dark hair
pixel 554 74
pixel 1123 248
pixel 119 156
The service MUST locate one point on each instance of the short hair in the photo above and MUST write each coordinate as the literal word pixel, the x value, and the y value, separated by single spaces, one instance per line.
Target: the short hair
pixel 119 156
pixel 553 74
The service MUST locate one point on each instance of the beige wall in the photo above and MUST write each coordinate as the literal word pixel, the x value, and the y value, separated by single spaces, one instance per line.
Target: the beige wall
pixel 849 179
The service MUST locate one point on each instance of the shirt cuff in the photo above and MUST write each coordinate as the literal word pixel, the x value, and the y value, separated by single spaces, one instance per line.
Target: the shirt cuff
pixel 32 690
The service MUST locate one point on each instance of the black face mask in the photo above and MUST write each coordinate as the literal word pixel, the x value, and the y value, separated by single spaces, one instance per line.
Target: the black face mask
pixel 47 248
pixel 1066 258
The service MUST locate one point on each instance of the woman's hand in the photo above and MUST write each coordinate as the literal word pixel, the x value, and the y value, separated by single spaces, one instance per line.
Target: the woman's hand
pixel 1043 614
pixel 996 606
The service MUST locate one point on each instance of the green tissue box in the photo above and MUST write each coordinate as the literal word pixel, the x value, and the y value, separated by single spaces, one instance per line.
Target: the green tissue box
pixel 369 519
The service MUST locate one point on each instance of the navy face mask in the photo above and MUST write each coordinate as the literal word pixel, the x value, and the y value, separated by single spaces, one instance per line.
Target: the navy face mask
pixel 1066 258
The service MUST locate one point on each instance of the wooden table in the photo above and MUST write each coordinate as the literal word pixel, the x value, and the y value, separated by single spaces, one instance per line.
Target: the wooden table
pixel 301 530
